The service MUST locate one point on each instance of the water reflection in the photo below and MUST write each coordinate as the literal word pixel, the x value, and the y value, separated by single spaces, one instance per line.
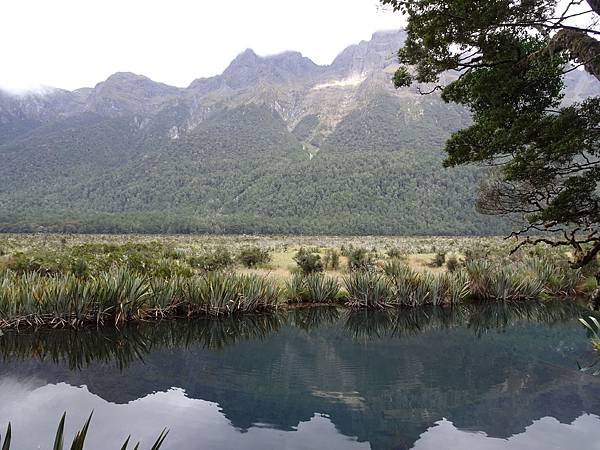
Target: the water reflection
pixel 315 377
pixel 78 348
pixel 478 318
pixel 31 405
pixel 545 433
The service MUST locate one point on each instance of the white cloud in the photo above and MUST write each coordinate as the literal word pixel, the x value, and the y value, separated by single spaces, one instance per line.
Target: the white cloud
pixel 74 43
pixel 30 406
pixel 542 434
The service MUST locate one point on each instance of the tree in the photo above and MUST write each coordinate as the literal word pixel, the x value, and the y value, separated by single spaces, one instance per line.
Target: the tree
pixel 506 60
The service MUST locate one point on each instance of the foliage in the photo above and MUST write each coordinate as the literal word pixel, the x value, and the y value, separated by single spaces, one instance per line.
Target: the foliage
pixel 152 259
pixel 411 288
pixel 378 172
pixel 216 293
pixel 295 289
pixel 440 259
pixel 146 279
pixel 312 288
pixel 593 327
pixel 320 288
pixel 359 259
pixel 308 261
pixel 79 438
pixel 218 258
pixel 511 59
pixel 331 260
pixel 253 256
pixel 394 253
pixel 121 295
pixel 452 263
pixel 367 289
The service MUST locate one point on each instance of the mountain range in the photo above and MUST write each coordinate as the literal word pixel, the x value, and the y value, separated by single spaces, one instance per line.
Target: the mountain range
pixel 274 144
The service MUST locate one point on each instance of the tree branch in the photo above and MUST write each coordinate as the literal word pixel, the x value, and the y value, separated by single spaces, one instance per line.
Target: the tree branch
pixel 581 46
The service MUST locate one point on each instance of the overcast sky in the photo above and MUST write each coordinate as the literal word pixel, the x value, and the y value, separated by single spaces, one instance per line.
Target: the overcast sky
pixel 75 43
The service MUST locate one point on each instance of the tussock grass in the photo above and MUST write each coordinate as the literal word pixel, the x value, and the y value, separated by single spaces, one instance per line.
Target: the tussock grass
pixel 121 295
pixel 69 281
pixel 368 290
pixel 313 288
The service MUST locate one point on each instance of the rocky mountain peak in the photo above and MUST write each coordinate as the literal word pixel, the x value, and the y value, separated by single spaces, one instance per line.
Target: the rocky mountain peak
pixel 248 69
pixel 369 56
pixel 126 92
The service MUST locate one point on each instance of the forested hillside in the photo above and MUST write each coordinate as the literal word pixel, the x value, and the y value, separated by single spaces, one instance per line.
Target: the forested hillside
pixel 273 145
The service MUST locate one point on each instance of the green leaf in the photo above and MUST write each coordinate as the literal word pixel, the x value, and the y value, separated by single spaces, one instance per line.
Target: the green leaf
pixel 6 445
pixel 161 438
pixel 126 443
pixel 59 439
pixel 79 439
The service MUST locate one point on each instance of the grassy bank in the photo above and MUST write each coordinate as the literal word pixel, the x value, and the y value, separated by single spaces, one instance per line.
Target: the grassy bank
pixel 63 281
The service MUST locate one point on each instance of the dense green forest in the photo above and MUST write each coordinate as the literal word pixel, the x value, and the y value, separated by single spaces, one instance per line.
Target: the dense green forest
pixel 242 171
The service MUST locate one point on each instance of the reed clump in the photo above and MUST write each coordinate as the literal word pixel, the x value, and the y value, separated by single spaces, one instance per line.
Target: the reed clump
pixel 121 295
pixel 312 288
pixel 124 292
pixel 531 278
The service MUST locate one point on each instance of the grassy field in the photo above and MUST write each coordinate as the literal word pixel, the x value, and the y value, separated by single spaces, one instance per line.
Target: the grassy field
pixel 69 280
pixel 418 252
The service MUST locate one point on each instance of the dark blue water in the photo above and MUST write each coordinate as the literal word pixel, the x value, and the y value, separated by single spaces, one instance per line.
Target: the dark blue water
pixel 493 377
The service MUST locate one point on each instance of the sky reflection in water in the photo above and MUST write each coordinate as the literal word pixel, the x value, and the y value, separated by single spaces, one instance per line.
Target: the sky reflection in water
pixel 495 378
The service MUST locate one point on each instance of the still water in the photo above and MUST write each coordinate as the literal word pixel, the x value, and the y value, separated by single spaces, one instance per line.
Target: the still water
pixel 491 377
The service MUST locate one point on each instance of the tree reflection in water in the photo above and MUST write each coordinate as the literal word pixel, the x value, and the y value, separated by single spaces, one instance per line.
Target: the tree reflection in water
pixel 78 348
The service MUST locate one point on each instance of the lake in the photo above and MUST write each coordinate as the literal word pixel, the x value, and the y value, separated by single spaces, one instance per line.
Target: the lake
pixel 488 377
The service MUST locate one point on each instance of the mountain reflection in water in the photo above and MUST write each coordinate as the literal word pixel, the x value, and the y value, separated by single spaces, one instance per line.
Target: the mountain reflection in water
pixel 497 376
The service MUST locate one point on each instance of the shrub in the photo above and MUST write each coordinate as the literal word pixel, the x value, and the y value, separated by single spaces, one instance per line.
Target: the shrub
pixel 309 262
pixel 164 293
pixel 407 285
pixel 40 263
pixel 394 268
pixel 411 288
pixel 79 268
pixel 331 260
pixel 168 268
pixel 256 293
pixel 359 259
pixel 505 282
pixel 440 259
pixel 395 253
pixel 211 260
pixel 556 278
pixel 253 256
pixel 452 263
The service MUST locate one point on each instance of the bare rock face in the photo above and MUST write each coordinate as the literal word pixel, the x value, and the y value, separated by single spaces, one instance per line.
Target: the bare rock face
pixel 289 84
